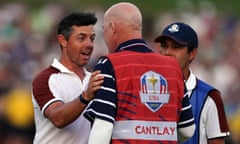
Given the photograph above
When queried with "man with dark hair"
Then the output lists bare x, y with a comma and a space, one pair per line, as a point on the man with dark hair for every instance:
180, 40
62, 91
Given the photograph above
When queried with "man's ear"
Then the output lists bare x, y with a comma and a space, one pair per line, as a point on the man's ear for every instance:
193, 54
112, 26
62, 40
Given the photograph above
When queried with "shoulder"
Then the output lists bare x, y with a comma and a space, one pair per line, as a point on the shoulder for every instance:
205, 89
104, 60
215, 95
44, 75
212, 93
103, 64
203, 83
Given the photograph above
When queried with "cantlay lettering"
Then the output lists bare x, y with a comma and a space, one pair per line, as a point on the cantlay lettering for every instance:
154, 130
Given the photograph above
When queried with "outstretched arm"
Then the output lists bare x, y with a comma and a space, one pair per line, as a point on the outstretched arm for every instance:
61, 114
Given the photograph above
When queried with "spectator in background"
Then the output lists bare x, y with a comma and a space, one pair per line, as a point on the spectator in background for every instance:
179, 40
61, 92
141, 89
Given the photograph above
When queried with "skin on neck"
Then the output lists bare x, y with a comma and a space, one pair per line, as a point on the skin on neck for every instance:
186, 68
186, 73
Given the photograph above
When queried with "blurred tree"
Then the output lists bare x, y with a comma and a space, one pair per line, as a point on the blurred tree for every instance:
151, 7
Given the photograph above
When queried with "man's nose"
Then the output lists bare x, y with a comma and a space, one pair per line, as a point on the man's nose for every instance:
89, 43
166, 51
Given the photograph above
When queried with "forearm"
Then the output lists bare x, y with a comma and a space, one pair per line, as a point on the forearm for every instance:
62, 114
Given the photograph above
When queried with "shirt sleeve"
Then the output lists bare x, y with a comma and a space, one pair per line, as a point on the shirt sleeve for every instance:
101, 132
214, 118
186, 116
103, 106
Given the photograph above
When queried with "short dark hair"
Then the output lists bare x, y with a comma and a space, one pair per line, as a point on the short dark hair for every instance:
75, 19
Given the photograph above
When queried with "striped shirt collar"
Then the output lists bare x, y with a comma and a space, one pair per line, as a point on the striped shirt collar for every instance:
138, 45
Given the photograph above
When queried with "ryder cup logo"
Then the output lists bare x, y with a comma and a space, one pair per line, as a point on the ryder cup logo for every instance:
173, 28
154, 90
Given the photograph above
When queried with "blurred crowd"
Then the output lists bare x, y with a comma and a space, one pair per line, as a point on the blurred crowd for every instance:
28, 44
